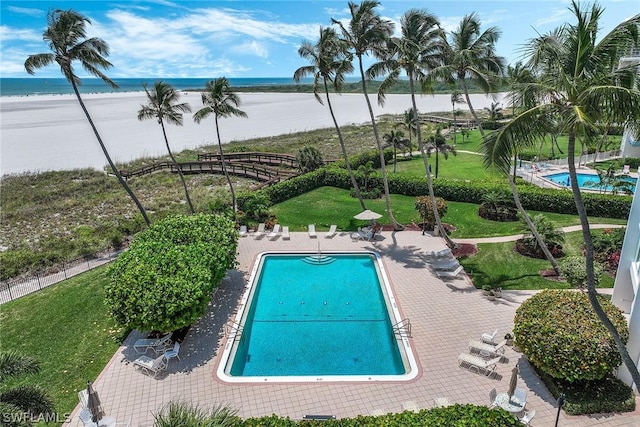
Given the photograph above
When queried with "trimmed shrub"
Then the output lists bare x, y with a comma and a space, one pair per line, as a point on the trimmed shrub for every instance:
309, 159
425, 209
560, 334
574, 270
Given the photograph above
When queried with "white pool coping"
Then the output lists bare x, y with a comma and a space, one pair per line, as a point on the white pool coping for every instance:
404, 344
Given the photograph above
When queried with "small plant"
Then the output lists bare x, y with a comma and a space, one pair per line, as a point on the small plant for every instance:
497, 292
486, 289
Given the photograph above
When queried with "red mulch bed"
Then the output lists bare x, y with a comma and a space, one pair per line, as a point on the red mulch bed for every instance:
464, 249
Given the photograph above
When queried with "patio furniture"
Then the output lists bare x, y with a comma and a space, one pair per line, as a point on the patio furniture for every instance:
626, 169
274, 233
410, 406
243, 231
446, 252
445, 264
520, 396
85, 417
312, 231
156, 344
450, 274
259, 233
174, 352
441, 402
489, 337
331, 232
511, 406
528, 416
476, 364
486, 349
285, 233
492, 398
151, 366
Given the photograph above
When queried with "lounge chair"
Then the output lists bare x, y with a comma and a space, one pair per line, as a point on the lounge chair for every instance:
259, 233
450, 274
626, 169
477, 364
275, 233
441, 402
489, 337
486, 349
174, 352
312, 231
520, 396
446, 252
410, 406
285, 233
156, 344
331, 232
151, 366
445, 264
528, 416
243, 231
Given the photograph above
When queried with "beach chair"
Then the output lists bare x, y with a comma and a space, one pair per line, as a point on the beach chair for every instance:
486, 349
259, 233
285, 233
450, 274
173, 353
243, 231
331, 232
445, 264
477, 364
489, 337
275, 233
312, 231
156, 344
151, 366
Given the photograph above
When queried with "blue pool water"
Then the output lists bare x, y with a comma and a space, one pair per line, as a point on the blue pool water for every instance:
317, 319
563, 179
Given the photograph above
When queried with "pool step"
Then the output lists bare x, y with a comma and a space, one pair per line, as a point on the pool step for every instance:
319, 259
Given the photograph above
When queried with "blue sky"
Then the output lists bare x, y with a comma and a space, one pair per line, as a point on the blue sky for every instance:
162, 38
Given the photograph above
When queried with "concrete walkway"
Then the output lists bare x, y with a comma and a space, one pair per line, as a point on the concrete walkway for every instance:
515, 237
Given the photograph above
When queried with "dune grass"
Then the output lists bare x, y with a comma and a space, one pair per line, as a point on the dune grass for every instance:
67, 329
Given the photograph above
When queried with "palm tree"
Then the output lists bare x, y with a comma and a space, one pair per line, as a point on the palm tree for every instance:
416, 52
21, 400
456, 98
583, 90
470, 54
66, 36
409, 124
396, 140
438, 143
163, 105
367, 33
186, 414
329, 64
219, 100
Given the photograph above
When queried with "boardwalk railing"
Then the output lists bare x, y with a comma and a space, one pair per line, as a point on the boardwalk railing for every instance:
273, 159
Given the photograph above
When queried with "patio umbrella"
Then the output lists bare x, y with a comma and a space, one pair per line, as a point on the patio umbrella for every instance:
93, 404
513, 382
368, 215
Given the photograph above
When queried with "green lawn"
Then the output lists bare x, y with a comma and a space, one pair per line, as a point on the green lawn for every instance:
462, 166
67, 329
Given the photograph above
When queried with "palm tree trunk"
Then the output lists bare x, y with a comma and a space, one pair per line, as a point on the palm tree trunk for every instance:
224, 169
532, 227
344, 149
437, 159
178, 167
385, 182
455, 122
106, 154
432, 195
589, 252
473, 112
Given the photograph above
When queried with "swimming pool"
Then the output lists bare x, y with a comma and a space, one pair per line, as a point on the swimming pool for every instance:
315, 318
563, 180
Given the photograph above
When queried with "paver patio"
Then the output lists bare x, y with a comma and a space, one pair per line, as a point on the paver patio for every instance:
444, 317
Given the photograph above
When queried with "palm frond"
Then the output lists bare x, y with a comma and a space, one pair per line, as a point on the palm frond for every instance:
29, 398
13, 364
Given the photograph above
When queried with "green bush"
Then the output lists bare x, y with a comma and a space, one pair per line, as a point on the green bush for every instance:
425, 209
574, 270
561, 335
164, 281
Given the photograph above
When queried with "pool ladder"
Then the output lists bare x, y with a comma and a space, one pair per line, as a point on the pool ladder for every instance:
402, 328
234, 328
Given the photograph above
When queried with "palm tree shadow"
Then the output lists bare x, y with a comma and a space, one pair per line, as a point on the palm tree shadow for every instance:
408, 256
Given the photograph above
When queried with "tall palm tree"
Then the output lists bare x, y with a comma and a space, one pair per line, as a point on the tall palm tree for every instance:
367, 33
438, 143
396, 140
329, 63
409, 124
219, 100
470, 55
66, 36
456, 98
164, 106
583, 90
416, 52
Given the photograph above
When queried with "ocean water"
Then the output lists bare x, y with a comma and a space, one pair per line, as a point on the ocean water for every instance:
47, 86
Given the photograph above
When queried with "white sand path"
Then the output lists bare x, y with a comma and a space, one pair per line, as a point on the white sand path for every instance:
50, 132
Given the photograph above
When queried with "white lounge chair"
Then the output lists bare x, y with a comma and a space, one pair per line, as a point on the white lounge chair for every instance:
151, 366
174, 352
445, 264
312, 231
243, 231
520, 396
528, 416
489, 337
446, 252
259, 233
275, 233
285, 233
477, 364
450, 274
331, 232
486, 349
155, 344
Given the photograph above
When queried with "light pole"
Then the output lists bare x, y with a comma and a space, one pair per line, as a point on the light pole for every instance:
560, 405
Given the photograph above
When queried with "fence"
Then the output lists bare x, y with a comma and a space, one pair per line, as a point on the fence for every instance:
589, 158
15, 288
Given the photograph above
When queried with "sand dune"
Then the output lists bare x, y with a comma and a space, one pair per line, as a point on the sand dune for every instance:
50, 132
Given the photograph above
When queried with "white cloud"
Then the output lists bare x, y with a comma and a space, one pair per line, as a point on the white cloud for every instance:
9, 33
556, 16
26, 11
252, 48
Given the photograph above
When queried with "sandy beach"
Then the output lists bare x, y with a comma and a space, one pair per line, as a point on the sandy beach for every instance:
50, 132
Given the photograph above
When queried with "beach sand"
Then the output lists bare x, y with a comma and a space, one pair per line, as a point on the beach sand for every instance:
50, 132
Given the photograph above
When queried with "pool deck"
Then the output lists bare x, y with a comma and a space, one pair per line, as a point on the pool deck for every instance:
444, 317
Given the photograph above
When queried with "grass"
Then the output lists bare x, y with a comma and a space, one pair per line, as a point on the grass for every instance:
67, 329
461, 166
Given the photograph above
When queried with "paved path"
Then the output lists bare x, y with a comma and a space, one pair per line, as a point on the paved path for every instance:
515, 237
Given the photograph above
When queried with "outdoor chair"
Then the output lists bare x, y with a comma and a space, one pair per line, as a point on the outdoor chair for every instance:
489, 337
441, 402
151, 366
243, 231
450, 274
528, 416
486, 349
410, 406
520, 396
626, 169
440, 254
259, 233
156, 344
445, 264
477, 364
285, 233
275, 232
331, 232
492, 398
312, 231
173, 352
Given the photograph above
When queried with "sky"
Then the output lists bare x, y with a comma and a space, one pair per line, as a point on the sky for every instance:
182, 39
